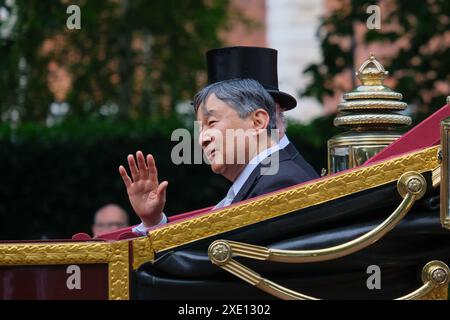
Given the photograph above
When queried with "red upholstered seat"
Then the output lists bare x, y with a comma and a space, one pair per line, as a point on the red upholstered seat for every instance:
127, 235
115, 235
81, 236
425, 134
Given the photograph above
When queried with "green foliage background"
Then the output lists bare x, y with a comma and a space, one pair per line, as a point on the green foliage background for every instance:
143, 56
55, 178
419, 28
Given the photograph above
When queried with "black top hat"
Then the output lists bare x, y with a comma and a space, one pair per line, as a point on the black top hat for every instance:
248, 63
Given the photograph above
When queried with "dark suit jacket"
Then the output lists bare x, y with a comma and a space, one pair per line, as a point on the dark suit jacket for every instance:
299, 160
289, 173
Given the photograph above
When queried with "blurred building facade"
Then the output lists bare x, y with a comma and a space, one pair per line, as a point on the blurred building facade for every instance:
290, 26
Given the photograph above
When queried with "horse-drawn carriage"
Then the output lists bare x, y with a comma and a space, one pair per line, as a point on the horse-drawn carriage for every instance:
377, 226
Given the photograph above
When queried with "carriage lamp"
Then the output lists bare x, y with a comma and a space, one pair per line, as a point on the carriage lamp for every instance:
371, 111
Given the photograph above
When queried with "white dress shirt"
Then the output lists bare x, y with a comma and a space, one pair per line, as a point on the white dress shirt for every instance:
244, 175
142, 230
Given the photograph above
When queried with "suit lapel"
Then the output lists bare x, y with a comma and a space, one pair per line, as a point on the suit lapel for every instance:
292, 150
248, 185
254, 177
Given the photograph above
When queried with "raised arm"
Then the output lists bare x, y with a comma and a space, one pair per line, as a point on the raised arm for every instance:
147, 196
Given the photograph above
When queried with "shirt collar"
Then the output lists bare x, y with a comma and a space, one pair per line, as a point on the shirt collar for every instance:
245, 174
283, 142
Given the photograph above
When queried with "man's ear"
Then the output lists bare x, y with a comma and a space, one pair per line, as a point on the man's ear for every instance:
260, 120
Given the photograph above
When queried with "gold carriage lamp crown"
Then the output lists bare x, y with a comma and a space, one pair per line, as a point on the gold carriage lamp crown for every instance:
371, 111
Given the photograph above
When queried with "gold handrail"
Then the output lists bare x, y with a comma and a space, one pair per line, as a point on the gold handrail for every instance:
435, 278
411, 186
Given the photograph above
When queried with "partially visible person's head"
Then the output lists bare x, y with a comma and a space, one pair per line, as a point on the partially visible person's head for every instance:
280, 120
109, 218
234, 106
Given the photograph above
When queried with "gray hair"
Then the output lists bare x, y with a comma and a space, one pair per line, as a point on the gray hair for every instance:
243, 95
